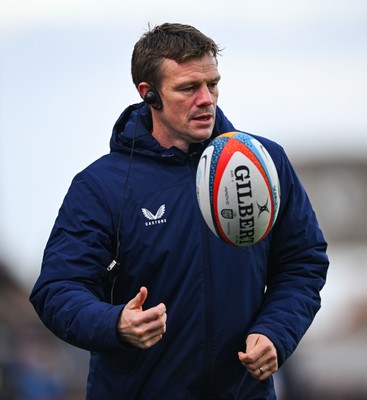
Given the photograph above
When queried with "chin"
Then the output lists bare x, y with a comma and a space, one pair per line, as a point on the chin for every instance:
207, 134
201, 137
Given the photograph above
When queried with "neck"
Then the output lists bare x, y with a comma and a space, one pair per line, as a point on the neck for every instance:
167, 142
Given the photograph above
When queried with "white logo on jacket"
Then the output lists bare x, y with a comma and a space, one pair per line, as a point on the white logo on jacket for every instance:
155, 219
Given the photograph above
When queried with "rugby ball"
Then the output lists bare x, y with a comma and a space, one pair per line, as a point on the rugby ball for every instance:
238, 189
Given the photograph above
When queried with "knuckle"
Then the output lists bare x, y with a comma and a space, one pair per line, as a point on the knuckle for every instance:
134, 321
269, 348
157, 312
139, 333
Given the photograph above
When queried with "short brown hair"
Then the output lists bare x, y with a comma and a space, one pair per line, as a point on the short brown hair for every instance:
174, 41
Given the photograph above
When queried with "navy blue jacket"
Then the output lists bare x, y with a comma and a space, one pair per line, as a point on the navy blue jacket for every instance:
215, 294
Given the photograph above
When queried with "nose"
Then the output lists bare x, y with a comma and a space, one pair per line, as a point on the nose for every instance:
204, 96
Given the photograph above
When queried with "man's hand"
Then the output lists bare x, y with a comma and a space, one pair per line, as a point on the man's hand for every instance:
142, 328
260, 359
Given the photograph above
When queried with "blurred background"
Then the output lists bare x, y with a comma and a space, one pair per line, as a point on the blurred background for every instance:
294, 71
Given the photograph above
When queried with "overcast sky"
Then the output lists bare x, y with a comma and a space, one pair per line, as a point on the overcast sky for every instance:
294, 71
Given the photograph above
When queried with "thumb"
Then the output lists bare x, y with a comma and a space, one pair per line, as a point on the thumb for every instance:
138, 301
251, 342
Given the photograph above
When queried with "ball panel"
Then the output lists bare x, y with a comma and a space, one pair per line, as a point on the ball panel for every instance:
272, 174
240, 177
241, 219
268, 165
204, 177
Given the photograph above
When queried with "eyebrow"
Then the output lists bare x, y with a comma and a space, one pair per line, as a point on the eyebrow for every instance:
193, 82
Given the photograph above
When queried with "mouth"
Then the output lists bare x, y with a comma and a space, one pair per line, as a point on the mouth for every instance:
203, 117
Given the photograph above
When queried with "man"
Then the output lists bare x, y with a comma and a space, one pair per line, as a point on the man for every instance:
186, 316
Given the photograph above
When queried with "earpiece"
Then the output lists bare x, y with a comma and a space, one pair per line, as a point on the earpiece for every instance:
153, 98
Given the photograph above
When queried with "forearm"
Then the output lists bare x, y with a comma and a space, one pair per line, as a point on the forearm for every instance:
77, 316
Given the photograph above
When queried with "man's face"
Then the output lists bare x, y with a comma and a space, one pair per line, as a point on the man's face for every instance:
189, 94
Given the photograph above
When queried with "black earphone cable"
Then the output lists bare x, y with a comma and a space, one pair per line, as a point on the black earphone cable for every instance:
115, 263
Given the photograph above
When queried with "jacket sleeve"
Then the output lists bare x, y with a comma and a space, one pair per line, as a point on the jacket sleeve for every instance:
68, 295
297, 266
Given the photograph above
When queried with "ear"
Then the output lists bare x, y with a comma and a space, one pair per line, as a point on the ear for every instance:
143, 88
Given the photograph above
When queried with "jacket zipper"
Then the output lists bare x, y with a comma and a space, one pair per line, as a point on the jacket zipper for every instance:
207, 364
208, 315
113, 269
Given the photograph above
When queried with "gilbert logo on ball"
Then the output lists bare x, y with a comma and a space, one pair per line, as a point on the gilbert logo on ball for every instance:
238, 189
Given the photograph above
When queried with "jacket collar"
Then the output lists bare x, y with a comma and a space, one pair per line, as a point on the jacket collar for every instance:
132, 131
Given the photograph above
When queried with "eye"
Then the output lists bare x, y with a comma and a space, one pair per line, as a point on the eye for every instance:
213, 85
187, 89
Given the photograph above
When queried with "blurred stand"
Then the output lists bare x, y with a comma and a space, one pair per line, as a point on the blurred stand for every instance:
330, 362
34, 364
